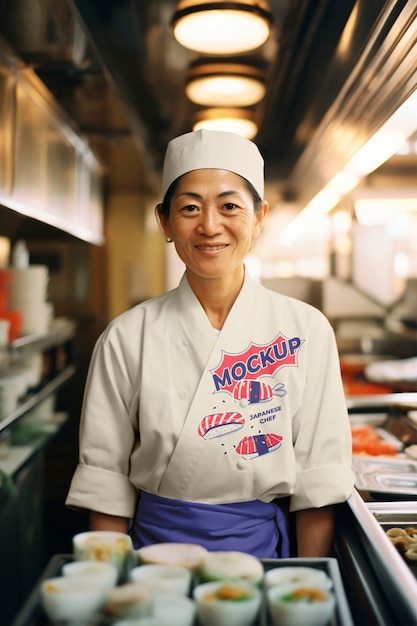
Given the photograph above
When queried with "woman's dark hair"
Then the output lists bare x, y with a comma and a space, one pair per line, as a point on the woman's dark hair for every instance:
166, 203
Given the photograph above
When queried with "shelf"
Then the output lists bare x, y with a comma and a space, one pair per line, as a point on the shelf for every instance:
35, 398
60, 331
19, 455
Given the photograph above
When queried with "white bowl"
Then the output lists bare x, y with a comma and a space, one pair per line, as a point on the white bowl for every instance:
286, 575
70, 599
231, 565
129, 601
104, 546
101, 574
215, 606
189, 555
163, 578
285, 611
173, 609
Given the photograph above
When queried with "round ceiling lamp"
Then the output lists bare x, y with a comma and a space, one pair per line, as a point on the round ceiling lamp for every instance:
225, 84
239, 121
222, 27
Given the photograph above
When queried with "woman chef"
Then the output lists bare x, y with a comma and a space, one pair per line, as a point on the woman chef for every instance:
212, 411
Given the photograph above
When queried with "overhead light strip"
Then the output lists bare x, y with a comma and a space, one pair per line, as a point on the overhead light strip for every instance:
386, 142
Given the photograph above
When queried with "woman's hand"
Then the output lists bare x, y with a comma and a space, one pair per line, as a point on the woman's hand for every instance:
101, 521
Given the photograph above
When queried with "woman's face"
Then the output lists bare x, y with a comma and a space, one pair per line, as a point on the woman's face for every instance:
212, 222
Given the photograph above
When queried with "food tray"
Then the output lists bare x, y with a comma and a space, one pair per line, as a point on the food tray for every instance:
386, 476
32, 613
403, 516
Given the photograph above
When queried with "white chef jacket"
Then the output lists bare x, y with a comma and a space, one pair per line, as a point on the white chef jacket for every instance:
174, 408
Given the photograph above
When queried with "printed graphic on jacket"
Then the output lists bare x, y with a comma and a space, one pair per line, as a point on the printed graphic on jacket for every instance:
255, 362
220, 424
249, 447
240, 375
255, 391
257, 445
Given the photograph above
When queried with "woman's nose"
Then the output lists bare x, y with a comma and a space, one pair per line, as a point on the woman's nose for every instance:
209, 221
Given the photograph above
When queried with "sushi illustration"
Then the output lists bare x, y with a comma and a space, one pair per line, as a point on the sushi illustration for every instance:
256, 445
220, 424
255, 391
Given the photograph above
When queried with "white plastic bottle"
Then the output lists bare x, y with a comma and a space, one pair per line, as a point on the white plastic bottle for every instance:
20, 255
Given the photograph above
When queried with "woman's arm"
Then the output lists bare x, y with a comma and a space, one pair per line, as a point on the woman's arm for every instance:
101, 521
315, 532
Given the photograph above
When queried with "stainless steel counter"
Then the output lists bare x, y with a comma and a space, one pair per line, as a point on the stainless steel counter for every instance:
378, 401
380, 586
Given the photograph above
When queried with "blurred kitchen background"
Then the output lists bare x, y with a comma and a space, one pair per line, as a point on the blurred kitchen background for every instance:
90, 93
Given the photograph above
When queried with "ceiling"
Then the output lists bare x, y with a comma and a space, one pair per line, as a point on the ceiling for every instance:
118, 72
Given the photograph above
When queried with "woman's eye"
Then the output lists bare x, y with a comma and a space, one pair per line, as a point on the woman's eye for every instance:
190, 208
230, 206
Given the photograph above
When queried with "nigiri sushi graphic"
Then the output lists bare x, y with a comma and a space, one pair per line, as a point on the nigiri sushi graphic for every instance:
256, 445
254, 391
220, 424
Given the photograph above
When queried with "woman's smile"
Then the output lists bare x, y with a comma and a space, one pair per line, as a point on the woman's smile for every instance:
212, 247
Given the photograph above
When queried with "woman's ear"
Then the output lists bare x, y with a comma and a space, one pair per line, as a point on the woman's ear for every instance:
259, 219
163, 221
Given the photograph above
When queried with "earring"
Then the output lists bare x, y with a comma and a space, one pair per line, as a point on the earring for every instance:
168, 240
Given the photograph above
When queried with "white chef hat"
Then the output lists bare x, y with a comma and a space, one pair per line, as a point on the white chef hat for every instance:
213, 149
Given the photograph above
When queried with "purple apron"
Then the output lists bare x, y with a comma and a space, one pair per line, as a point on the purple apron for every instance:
255, 527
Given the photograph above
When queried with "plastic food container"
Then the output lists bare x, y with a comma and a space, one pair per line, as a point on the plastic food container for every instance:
104, 546
299, 604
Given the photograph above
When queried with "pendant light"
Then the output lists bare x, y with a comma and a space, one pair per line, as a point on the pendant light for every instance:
239, 121
222, 27
224, 84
